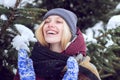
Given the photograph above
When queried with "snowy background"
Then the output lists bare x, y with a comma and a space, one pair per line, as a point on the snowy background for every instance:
26, 35
24, 39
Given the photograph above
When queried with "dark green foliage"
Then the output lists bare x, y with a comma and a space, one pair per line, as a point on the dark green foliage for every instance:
107, 59
88, 11
8, 55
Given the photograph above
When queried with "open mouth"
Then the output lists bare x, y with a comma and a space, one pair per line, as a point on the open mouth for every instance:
52, 32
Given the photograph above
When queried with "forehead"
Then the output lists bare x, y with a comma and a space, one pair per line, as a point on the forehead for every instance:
55, 16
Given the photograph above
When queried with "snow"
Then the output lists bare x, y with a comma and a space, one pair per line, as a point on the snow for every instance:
36, 26
24, 2
1, 2
118, 6
109, 41
3, 17
93, 32
22, 41
11, 3
8, 3
26, 35
14, 71
113, 22
5, 53
89, 36
40, 1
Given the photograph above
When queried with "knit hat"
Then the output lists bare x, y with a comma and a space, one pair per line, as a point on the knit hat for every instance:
68, 16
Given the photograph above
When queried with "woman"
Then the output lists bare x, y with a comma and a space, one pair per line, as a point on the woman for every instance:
58, 39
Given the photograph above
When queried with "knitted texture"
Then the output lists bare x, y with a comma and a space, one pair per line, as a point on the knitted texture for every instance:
25, 66
72, 69
77, 46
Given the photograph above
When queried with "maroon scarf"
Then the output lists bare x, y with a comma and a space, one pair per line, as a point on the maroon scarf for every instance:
77, 46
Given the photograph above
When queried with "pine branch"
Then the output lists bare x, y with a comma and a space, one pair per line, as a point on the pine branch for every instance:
106, 75
10, 19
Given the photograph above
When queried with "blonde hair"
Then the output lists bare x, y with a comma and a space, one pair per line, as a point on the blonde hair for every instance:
66, 37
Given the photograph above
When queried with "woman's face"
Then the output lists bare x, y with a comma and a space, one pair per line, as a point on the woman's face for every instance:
53, 29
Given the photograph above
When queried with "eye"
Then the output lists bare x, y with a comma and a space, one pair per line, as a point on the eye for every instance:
47, 21
59, 21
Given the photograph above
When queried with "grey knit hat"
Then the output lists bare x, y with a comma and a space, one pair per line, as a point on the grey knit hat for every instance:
68, 16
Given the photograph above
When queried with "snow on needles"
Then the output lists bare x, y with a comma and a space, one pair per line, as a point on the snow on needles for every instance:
93, 32
22, 40
113, 22
8, 3
3, 17
11, 3
118, 7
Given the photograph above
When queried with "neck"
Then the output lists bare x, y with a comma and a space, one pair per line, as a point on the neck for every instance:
56, 48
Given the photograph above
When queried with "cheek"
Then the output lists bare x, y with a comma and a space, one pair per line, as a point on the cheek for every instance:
61, 31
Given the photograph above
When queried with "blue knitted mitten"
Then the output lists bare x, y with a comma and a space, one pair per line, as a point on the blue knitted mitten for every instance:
25, 66
72, 69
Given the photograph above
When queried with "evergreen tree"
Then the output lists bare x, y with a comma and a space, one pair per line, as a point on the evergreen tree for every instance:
89, 12
28, 16
107, 59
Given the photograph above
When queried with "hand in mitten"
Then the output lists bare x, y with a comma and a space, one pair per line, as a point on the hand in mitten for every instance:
72, 69
25, 66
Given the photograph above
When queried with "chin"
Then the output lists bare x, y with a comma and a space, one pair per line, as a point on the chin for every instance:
52, 41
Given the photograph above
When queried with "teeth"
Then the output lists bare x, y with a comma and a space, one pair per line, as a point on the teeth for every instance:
51, 32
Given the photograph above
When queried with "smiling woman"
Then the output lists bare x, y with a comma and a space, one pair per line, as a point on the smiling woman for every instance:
60, 51
55, 32
53, 29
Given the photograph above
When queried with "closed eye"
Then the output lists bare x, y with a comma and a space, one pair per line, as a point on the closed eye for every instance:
59, 21
47, 21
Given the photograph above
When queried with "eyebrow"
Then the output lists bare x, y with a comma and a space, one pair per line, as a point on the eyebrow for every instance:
56, 18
